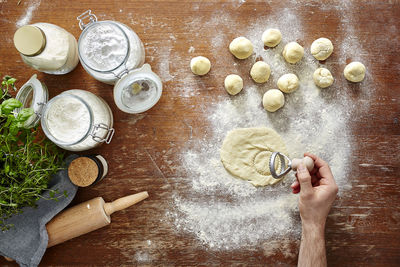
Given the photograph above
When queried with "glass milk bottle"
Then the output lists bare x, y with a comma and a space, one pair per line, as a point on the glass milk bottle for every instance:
47, 48
75, 120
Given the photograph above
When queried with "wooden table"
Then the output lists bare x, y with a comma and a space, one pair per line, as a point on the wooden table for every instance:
138, 155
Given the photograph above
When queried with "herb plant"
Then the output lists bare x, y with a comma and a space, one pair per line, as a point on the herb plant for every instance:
27, 158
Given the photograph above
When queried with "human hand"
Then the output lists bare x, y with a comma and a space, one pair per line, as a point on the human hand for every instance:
317, 189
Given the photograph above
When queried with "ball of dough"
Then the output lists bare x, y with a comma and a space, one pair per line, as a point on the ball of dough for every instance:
273, 100
293, 52
200, 65
354, 72
233, 84
323, 77
241, 47
271, 37
260, 72
321, 48
288, 83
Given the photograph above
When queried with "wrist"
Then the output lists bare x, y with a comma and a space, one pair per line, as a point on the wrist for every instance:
315, 228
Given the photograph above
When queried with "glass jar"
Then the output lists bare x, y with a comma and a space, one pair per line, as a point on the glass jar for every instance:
108, 49
112, 53
75, 120
47, 48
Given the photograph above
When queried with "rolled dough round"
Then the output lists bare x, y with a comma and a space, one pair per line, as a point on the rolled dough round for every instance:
245, 154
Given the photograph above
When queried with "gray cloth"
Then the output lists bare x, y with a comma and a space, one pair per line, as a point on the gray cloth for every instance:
27, 241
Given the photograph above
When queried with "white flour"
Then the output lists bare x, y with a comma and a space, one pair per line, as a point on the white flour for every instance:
104, 47
223, 212
26, 18
68, 119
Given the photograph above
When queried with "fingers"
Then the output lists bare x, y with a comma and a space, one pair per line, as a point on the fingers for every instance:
304, 178
318, 162
323, 169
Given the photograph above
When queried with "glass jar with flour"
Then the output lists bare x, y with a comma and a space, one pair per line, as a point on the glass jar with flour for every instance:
112, 53
75, 120
108, 49
47, 48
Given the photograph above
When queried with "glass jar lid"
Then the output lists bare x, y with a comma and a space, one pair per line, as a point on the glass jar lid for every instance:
33, 94
138, 91
67, 119
103, 46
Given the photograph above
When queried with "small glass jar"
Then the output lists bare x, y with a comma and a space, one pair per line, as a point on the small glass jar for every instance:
47, 48
75, 120
108, 49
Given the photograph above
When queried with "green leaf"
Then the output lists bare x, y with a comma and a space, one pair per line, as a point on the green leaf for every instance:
24, 115
9, 105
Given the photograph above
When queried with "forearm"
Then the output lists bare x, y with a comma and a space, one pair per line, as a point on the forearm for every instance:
312, 247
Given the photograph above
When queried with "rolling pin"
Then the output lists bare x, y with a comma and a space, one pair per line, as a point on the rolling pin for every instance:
87, 217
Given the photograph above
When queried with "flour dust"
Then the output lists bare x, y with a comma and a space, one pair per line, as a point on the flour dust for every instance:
26, 18
226, 213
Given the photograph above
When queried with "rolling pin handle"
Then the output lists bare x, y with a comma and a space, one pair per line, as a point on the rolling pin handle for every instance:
124, 202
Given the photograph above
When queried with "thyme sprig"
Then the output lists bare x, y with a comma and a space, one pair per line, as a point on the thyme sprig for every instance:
27, 158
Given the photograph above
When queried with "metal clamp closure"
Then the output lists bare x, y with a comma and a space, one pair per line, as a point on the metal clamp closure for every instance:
121, 73
39, 114
109, 136
85, 15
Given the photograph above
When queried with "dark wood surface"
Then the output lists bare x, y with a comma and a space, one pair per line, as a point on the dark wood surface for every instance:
137, 155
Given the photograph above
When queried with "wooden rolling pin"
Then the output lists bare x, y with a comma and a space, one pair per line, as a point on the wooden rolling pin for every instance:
87, 217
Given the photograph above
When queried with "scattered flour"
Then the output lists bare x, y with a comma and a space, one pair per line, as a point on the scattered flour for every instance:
164, 62
26, 18
226, 213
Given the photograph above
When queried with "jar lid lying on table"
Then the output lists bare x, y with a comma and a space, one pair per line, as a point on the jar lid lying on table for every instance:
33, 94
138, 91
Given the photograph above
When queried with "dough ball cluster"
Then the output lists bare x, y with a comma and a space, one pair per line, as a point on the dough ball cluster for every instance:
200, 65
293, 52
241, 47
273, 100
271, 37
260, 72
288, 83
354, 72
321, 48
233, 84
322, 77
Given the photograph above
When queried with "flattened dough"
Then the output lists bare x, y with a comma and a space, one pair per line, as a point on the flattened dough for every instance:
245, 154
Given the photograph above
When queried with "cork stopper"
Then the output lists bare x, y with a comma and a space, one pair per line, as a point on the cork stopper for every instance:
83, 171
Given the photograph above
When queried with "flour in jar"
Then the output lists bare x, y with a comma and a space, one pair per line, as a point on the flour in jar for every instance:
68, 119
106, 47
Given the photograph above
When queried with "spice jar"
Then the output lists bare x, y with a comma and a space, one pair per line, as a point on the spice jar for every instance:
47, 48
87, 170
75, 120
112, 53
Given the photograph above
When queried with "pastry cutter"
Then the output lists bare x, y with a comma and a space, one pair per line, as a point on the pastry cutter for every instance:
280, 164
